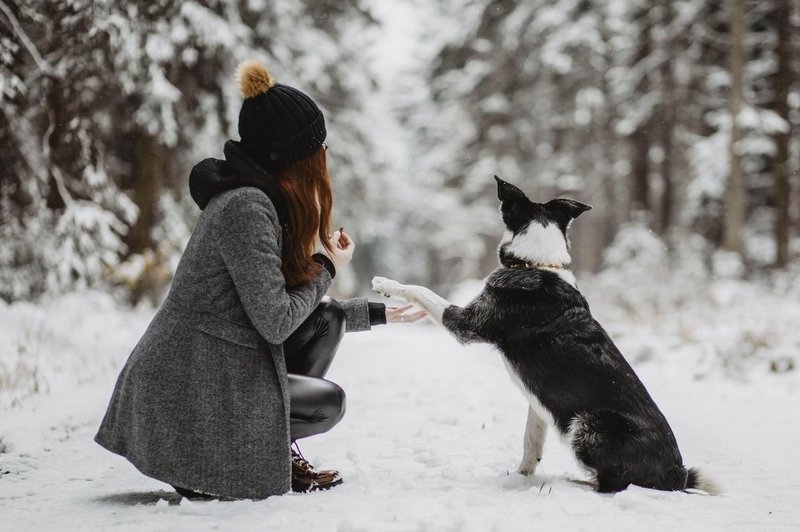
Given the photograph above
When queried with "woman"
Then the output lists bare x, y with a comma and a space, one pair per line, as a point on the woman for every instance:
231, 369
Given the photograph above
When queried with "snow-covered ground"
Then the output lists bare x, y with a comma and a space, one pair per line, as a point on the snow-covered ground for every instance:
430, 441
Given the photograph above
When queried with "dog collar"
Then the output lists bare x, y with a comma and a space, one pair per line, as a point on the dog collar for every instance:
519, 265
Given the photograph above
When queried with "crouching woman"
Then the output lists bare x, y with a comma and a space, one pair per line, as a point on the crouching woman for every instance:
230, 371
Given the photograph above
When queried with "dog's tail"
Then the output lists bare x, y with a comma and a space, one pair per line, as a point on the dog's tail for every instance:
696, 479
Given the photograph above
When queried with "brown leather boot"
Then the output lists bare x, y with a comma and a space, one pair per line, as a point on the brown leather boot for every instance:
305, 477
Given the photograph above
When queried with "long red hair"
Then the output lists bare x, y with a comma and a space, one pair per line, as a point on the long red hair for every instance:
307, 188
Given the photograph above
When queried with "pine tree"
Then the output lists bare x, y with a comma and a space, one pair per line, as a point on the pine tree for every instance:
107, 105
783, 81
627, 105
733, 239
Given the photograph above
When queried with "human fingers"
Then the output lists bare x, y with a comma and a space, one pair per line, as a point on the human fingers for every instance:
405, 317
336, 240
411, 318
396, 311
395, 314
346, 241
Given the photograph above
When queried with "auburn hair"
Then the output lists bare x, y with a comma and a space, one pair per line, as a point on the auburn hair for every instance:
307, 188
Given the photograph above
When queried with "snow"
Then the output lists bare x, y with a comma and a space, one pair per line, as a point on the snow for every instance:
432, 435
434, 430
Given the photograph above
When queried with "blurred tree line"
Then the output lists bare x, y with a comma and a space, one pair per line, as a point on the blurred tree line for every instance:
628, 105
625, 104
106, 105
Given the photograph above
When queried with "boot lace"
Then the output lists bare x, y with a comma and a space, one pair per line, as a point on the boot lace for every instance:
299, 459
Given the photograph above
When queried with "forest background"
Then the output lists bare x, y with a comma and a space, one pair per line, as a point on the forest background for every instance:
628, 105
676, 119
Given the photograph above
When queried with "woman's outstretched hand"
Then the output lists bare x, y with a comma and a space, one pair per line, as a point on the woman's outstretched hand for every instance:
401, 315
343, 247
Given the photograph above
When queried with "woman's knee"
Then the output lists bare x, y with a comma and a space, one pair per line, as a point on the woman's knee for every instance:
317, 405
335, 404
332, 312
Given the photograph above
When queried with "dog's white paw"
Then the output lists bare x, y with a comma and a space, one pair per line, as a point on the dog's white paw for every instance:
527, 467
388, 287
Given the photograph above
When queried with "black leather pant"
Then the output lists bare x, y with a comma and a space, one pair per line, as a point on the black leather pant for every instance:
316, 404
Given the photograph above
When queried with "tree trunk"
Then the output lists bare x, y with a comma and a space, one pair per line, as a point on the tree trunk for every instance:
59, 149
149, 166
641, 137
608, 141
733, 217
640, 176
781, 170
668, 110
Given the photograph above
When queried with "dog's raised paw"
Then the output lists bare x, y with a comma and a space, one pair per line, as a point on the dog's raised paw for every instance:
387, 287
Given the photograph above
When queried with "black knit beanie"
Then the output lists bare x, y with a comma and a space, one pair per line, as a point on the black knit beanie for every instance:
278, 124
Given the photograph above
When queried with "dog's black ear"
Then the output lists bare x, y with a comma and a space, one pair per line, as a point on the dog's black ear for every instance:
568, 207
508, 192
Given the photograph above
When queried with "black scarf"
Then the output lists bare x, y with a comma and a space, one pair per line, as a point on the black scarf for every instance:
211, 176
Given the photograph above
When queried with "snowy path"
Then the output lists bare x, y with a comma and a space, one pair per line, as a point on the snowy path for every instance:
431, 433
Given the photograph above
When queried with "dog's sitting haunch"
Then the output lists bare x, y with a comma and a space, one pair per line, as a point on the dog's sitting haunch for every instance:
572, 374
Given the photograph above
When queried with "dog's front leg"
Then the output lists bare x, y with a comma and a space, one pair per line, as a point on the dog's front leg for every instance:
431, 302
532, 445
462, 322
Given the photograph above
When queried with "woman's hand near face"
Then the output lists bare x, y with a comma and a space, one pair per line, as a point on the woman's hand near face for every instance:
401, 314
343, 247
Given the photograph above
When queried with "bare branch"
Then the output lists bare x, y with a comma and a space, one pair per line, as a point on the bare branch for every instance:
43, 65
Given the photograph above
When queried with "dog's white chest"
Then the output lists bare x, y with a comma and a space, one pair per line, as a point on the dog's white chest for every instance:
533, 401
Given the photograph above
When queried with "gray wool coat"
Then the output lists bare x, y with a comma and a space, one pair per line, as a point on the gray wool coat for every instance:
202, 402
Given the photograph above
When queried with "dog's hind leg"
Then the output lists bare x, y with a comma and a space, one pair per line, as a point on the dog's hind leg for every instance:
533, 443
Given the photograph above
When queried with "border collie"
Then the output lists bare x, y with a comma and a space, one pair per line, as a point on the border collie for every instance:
570, 371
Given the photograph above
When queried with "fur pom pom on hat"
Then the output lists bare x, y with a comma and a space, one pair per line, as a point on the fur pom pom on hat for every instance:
278, 124
253, 78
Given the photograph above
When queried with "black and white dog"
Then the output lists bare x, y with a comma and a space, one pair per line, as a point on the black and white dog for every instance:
570, 371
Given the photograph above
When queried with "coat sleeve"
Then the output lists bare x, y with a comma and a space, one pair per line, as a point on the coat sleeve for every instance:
248, 241
356, 312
